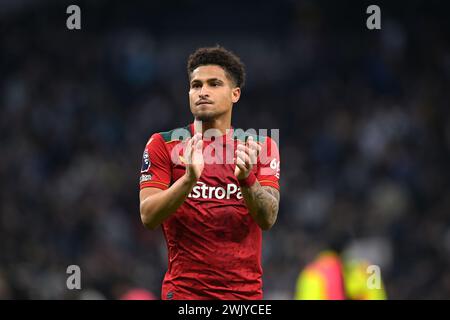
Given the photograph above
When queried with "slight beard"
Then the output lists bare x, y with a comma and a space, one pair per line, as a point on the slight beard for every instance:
206, 117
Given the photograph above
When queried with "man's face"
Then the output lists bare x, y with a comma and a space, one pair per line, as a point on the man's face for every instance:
211, 93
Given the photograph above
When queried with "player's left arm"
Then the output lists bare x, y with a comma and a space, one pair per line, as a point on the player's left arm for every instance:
259, 190
262, 202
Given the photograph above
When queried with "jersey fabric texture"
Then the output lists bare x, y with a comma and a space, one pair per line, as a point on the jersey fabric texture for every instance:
214, 245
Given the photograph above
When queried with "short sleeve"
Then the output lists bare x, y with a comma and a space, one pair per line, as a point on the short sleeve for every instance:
156, 165
268, 173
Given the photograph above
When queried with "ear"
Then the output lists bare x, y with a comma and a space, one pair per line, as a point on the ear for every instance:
235, 94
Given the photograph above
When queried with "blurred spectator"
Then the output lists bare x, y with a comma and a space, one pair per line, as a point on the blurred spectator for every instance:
138, 294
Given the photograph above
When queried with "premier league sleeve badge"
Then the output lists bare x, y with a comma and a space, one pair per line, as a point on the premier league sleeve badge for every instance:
145, 162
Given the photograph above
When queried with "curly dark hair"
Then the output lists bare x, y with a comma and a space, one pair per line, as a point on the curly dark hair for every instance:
233, 66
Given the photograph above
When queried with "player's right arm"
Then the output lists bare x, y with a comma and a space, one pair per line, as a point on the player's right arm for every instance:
157, 200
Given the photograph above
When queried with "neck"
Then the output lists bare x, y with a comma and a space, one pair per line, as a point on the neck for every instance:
220, 124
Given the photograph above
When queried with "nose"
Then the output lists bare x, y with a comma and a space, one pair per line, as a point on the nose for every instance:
203, 92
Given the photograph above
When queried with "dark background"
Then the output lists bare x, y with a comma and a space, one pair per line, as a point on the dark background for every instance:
364, 136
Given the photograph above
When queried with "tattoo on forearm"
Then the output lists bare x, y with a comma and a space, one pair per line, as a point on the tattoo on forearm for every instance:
268, 201
265, 202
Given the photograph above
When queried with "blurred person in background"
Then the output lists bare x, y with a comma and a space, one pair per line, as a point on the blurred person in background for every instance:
335, 275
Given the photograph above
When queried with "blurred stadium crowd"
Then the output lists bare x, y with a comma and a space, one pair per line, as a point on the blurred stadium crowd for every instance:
364, 137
